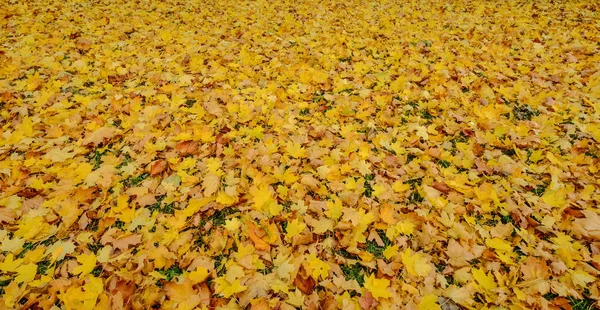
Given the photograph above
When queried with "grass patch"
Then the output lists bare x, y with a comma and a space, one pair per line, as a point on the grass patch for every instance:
355, 272
415, 197
96, 158
524, 112
582, 304
444, 163
368, 189
220, 216
373, 248
135, 181
43, 266
171, 272
539, 190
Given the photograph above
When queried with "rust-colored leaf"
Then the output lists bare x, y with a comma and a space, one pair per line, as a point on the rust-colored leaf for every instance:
158, 167
187, 147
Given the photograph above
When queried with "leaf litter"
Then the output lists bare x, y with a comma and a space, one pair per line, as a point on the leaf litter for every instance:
299, 154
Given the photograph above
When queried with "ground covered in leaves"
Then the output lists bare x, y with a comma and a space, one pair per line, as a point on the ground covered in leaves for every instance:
299, 154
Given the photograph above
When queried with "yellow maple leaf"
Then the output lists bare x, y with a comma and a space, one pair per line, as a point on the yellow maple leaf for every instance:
322, 225
26, 273
568, 249
350, 183
295, 298
378, 190
334, 209
581, 278
536, 156
104, 254
285, 175
378, 287
429, 302
300, 207
76, 298
294, 228
273, 207
555, 197
213, 165
284, 266
60, 249
11, 245
233, 224
487, 92
400, 187
403, 227
59, 155
279, 286
390, 251
499, 244
198, 275
260, 196
320, 269
181, 295
296, 150
194, 205
225, 199
228, 289
88, 263
416, 264
484, 280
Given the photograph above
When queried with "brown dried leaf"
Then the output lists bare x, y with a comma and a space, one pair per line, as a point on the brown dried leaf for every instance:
187, 147
158, 166
442, 187
306, 284
99, 136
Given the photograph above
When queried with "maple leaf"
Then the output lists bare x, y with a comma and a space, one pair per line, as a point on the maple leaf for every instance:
59, 155
378, 287
320, 269
334, 209
255, 235
99, 135
390, 251
183, 295
429, 302
499, 244
124, 242
228, 289
416, 264
294, 228
304, 283
581, 278
284, 267
232, 225
26, 273
486, 281
60, 249
296, 150
157, 167
198, 275
211, 184
295, 298
88, 263
83, 297
366, 301
260, 196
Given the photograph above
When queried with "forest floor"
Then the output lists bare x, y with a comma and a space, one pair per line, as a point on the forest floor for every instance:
299, 154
